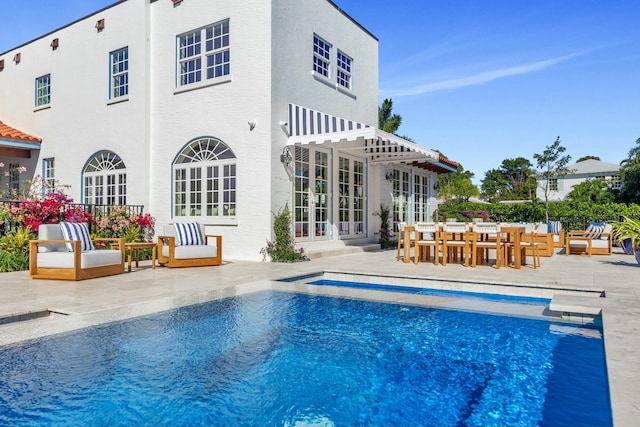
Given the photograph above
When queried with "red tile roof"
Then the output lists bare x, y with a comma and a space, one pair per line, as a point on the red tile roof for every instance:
8, 133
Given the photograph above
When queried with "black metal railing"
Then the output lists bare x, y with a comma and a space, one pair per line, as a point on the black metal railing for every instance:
97, 211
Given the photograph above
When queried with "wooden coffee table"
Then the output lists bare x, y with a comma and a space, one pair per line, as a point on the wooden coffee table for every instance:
130, 248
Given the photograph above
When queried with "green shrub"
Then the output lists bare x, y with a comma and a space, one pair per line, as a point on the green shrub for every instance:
17, 240
13, 261
282, 249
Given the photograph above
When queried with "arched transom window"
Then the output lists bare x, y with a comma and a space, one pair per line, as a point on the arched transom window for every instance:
204, 180
105, 180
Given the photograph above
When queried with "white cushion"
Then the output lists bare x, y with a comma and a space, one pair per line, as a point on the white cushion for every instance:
192, 251
77, 231
188, 233
51, 232
87, 259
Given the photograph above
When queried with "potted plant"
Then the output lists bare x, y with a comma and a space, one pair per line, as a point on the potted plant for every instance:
628, 230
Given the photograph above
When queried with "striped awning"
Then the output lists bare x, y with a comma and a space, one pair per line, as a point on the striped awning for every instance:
308, 127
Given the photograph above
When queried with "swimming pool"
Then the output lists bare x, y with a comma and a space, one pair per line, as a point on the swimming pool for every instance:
280, 358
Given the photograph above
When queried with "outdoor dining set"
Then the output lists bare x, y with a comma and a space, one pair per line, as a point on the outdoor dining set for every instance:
472, 244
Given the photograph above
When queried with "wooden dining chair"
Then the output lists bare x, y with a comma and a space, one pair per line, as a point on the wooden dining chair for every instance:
400, 228
427, 237
487, 238
457, 236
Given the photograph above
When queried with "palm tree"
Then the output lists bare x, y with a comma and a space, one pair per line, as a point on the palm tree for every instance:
387, 121
633, 157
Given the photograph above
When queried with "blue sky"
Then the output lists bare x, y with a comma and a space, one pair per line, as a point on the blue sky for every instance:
481, 81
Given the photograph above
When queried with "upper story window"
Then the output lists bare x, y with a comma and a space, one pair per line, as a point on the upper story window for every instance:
344, 70
204, 180
43, 90
119, 73
321, 56
203, 54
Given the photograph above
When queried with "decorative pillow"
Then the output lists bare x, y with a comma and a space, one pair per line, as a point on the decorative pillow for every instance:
595, 229
77, 231
188, 233
554, 227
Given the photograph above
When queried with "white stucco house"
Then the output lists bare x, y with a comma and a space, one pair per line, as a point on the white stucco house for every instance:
217, 111
580, 172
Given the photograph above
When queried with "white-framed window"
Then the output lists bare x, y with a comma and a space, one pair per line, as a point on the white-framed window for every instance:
105, 180
119, 70
49, 173
553, 184
321, 56
43, 90
344, 65
14, 178
420, 198
616, 182
401, 194
204, 180
198, 60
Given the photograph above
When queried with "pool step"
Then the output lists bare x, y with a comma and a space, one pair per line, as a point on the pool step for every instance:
583, 309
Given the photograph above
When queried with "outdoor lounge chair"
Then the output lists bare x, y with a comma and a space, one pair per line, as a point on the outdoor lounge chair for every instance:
187, 245
595, 240
72, 257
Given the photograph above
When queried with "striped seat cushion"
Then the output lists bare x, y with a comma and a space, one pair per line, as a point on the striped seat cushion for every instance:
595, 229
188, 233
554, 227
77, 231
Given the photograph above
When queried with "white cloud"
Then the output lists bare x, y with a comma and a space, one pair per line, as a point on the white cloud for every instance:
477, 79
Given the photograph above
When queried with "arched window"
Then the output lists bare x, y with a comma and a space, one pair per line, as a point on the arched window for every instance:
105, 180
204, 180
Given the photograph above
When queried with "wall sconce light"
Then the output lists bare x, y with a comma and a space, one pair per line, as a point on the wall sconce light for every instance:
54, 44
389, 175
286, 158
436, 186
176, 2
1, 64
252, 124
16, 58
100, 25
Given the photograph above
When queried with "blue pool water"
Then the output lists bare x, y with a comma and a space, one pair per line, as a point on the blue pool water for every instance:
434, 292
276, 358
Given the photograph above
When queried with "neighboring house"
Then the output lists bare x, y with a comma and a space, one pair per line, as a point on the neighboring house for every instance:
217, 111
580, 172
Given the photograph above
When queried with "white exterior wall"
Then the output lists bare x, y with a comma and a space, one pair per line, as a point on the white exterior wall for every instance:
294, 25
271, 62
79, 120
221, 111
565, 186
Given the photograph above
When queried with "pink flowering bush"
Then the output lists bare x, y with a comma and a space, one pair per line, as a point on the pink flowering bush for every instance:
118, 222
52, 209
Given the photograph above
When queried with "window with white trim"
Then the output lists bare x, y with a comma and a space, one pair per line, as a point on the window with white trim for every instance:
553, 184
420, 198
14, 178
119, 71
321, 56
213, 54
105, 180
49, 173
204, 180
43, 90
401, 194
344, 70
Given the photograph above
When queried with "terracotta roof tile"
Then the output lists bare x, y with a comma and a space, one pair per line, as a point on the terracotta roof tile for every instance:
8, 133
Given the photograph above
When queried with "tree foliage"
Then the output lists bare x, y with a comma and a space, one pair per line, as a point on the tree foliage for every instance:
582, 159
387, 121
552, 165
630, 176
514, 180
457, 185
591, 190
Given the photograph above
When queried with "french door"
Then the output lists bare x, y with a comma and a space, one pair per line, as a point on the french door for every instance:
311, 194
323, 199
351, 194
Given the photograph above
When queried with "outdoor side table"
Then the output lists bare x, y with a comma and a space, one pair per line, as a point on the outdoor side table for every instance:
130, 248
